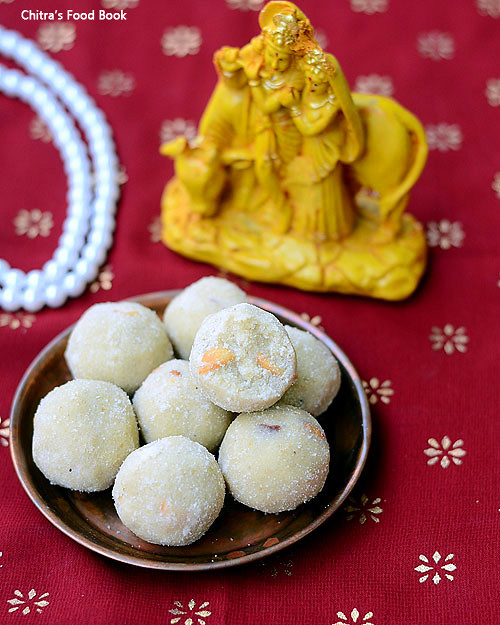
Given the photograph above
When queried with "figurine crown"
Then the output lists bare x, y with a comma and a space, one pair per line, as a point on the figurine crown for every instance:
285, 29
318, 61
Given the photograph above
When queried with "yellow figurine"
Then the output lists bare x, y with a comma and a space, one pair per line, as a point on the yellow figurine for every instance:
292, 178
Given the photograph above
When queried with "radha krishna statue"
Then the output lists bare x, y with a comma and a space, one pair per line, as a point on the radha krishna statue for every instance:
292, 178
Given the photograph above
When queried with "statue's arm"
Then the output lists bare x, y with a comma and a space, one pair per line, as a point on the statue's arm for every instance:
355, 139
310, 128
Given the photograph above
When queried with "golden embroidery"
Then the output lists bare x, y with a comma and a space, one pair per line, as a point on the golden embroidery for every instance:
363, 509
173, 128
119, 4
56, 37
115, 83
245, 5
449, 339
155, 230
445, 234
444, 137
28, 602
181, 41
495, 185
355, 614
40, 130
436, 45
427, 567
14, 321
314, 321
4, 432
374, 83
33, 223
180, 612
492, 91
369, 6
104, 280
376, 390
445, 453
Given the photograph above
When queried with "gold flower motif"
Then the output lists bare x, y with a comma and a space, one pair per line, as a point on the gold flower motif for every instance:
427, 567
40, 130
14, 321
28, 602
245, 5
373, 83
115, 83
489, 7
492, 91
155, 229
436, 45
355, 614
56, 37
445, 234
119, 4
449, 339
33, 223
444, 137
442, 452
376, 390
4, 432
179, 613
122, 176
495, 185
173, 128
181, 41
315, 320
104, 280
363, 509
369, 6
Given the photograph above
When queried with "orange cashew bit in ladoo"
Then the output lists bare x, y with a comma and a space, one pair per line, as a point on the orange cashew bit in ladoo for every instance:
266, 364
315, 430
215, 358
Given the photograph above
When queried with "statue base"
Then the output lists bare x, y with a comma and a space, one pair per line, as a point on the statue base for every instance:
240, 242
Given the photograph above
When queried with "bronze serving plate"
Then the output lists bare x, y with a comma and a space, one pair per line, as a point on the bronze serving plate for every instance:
240, 534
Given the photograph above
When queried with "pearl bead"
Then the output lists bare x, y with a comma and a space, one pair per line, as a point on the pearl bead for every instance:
14, 278
76, 225
87, 269
92, 191
34, 279
9, 299
33, 300
95, 254
53, 271
55, 295
65, 257
4, 267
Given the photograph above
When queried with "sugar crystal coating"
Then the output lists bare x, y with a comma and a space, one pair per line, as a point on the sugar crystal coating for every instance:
170, 491
242, 358
185, 313
119, 342
169, 403
318, 374
83, 431
275, 459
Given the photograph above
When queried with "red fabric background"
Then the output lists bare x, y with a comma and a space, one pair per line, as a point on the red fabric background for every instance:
346, 564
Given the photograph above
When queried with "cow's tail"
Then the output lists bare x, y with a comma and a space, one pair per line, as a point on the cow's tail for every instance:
390, 201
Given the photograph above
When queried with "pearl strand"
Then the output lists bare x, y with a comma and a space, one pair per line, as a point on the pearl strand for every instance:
88, 228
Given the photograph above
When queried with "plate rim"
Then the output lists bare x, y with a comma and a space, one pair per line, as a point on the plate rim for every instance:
18, 457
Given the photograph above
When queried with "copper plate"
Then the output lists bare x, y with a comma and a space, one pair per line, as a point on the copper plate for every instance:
239, 534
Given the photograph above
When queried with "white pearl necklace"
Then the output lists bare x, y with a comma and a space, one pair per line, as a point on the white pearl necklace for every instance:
92, 183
